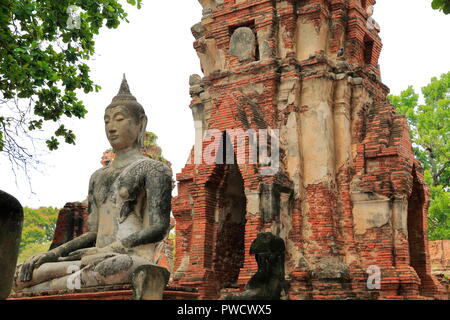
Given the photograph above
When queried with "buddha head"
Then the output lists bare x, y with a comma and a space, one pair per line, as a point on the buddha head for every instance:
125, 120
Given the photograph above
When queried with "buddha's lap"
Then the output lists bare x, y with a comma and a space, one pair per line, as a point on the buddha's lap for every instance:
115, 269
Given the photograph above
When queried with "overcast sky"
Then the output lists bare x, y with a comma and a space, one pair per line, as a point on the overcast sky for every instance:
156, 53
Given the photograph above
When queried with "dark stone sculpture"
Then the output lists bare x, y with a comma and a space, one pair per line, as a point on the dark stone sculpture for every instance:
11, 221
149, 282
268, 282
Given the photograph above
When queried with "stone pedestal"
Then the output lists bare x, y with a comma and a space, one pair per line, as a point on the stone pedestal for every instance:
148, 282
117, 292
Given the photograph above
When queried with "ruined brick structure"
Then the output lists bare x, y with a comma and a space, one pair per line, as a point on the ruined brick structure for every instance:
349, 193
440, 256
440, 262
71, 223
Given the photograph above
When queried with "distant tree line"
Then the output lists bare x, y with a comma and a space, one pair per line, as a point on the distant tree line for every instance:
38, 230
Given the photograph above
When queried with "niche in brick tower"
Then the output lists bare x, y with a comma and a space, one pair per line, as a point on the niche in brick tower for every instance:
416, 241
229, 218
244, 42
368, 50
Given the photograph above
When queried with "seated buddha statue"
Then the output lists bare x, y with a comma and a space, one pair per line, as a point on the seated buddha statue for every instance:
129, 203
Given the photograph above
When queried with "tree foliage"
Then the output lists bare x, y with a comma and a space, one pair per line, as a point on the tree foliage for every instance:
32, 249
152, 149
38, 226
430, 132
442, 5
43, 58
439, 214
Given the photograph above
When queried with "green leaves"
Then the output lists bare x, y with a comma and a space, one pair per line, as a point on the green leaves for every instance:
1, 141
429, 125
52, 144
42, 58
151, 148
442, 5
430, 133
439, 214
134, 2
68, 135
39, 225
35, 124
32, 249
150, 139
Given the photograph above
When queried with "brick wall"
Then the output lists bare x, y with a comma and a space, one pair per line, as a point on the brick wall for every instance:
348, 193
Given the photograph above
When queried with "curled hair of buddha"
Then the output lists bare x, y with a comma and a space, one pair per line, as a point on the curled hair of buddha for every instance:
126, 99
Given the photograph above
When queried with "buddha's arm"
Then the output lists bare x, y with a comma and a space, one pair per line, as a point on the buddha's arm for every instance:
158, 187
85, 240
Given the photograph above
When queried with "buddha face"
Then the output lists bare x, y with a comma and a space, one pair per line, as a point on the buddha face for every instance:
122, 129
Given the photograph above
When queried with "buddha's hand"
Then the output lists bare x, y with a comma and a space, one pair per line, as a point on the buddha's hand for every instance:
80, 253
115, 247
26, 272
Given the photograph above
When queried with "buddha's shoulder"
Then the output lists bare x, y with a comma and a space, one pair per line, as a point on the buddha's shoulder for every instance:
149, 166
98, 173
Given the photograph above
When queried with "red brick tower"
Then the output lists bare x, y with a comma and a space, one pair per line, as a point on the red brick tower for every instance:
348, 197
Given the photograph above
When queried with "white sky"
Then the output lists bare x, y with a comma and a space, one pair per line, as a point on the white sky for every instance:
156, 53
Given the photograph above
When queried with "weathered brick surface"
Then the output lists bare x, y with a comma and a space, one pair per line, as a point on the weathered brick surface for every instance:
349, 193
440, 262
440, 255
71, 223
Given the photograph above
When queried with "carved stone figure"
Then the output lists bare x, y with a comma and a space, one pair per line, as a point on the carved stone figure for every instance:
268, 282
11, 220
129, 212
243, 44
